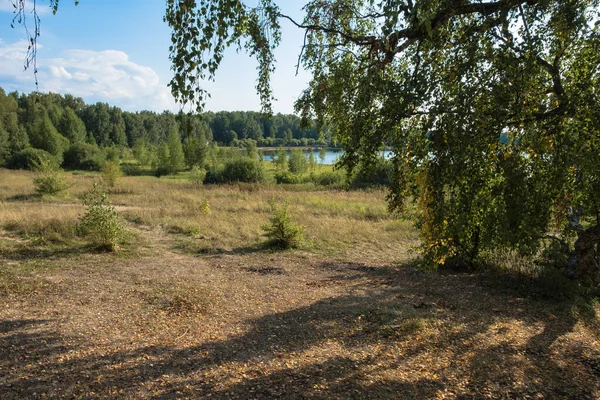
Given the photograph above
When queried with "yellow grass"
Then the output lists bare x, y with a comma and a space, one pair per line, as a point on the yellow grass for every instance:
198, 309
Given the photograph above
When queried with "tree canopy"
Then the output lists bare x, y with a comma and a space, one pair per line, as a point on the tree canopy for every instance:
490, 107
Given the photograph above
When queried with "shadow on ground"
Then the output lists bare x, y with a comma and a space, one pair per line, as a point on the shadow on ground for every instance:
399, 333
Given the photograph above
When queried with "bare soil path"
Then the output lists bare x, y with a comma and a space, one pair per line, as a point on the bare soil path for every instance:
161, 323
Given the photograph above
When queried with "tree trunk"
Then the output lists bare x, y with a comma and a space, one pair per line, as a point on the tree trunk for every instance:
585, 257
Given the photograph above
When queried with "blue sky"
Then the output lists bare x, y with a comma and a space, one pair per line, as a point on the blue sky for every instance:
116, 51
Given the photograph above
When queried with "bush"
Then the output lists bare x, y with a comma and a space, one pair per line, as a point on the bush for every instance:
101, 224
376, 175
31, 159
84, 156
237, 170
51, 181
111, 173
214, 175
282, 231
286, 177
243, 170
197, 175
330, 178
297, 162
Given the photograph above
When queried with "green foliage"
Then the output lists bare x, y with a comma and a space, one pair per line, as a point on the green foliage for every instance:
170, 158
297, 162
142, 152
249, 146
280, 160
84, 156
51, 180
223, 24
282, 231
176, 156
490, 109
330, 178
197, 175
72, 127
286, 177
236, 170
205, 207
111, 173
243, 170
322, 154
113, 153
378, 174
31, 159
163, 160
101, 224
312, 161
44, 135
196, 152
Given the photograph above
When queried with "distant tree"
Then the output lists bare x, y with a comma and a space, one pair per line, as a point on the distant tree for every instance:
97, 120
288, 135
229, 137
251, 148
322, 155
297, 162
72, 127
117, 127
195, 151
253, 130
45, 136
280, 159
163, 160
134, 128
176, 156
312, 161
13, 137
141, 152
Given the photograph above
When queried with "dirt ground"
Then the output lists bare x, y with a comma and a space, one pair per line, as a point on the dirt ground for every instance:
162, 323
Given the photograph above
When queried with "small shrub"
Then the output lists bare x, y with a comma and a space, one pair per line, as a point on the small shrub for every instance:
205, 207
111, 173
194, 231
213, 175
286, 177
101, 224
236, 170
282, 231
51, 181
132, 169
297, 162
197, 175
243, 170
330, 178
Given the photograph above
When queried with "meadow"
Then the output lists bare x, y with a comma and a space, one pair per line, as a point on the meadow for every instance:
194, 303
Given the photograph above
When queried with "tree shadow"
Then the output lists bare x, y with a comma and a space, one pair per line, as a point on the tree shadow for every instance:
27, 253
356, 345
262, 247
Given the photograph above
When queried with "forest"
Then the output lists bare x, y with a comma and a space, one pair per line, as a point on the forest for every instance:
63, 125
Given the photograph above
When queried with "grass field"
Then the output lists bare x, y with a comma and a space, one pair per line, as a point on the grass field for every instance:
194, 305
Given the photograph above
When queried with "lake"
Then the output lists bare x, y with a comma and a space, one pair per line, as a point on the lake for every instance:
331, 156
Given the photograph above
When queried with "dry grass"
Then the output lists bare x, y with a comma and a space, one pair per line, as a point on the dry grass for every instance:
347, 318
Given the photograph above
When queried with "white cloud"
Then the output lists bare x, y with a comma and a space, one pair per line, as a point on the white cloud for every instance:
9, 6
108, 76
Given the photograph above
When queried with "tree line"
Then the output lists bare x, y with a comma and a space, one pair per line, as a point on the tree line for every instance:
61, 124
